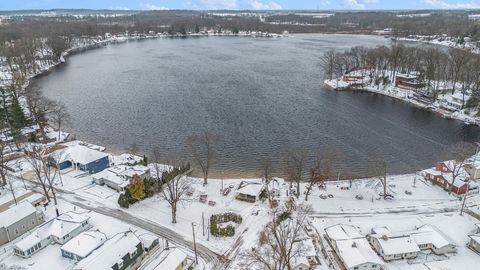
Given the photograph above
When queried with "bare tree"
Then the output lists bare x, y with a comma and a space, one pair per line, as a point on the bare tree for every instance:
320, 172
328, 61
176, 185
458, 60
294, 166
459, 153
203, 150
380, 171
266, 169
59, 116
39, 158
281, 240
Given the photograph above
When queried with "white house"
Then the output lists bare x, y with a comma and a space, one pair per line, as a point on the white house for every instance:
357, 254
123, 251
352, 248
59, 230
474, 243
394, 246
174, 259
83, 245
429, 237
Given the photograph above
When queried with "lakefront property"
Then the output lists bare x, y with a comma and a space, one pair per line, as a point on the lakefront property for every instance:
141, 136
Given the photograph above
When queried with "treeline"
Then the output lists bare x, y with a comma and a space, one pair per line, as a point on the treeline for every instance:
441, 69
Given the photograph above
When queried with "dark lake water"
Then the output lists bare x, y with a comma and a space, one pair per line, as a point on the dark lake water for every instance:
260, 96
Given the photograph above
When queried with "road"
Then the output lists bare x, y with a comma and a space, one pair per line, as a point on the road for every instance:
210, 257
216, 261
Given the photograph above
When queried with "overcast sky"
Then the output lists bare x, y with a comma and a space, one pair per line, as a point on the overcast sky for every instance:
239, 4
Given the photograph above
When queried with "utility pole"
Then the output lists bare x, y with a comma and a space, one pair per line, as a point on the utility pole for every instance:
203, 224
194, 243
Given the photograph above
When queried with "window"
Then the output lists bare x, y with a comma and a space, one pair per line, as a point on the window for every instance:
134, 253
33, 221
120, 265
16, 231
355, 268
23, 226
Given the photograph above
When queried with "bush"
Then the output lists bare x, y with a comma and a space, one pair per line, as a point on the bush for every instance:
221, 218
126, 199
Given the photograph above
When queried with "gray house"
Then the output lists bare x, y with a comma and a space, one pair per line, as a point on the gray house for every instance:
17, 220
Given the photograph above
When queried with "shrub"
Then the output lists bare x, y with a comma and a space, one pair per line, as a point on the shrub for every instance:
221, 218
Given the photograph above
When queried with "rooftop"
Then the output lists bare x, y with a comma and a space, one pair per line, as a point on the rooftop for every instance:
355, 252
78, 154
16, 213
85, 243
110, 253
342, 232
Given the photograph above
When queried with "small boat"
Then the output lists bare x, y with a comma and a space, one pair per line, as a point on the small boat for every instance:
467, 123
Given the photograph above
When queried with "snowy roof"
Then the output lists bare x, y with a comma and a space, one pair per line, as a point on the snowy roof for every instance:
147, 239
399, 244
110, 253
355, 252
251, 189
475, 237
171, 261
58, 227
16, 213
109, 176
342, 232
427, 234
137, 169
381, 230
78, 154
85, 243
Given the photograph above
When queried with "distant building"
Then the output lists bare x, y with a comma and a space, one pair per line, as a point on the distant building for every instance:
59, 230
17, 220
408, 81
124, 251
83, 245
80, 157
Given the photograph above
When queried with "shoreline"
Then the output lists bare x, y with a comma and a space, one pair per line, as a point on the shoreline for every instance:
467, 120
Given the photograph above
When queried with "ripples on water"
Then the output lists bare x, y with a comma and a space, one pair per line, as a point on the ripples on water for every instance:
259, 95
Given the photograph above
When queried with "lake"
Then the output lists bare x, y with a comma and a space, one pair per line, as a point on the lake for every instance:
260, 96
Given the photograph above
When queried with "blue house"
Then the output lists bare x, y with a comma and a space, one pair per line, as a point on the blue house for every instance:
82, 158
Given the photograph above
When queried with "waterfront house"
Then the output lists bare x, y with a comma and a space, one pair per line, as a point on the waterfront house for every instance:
453, 102
249, 192
83, 245
80, 157
58, 230
124, 251
17, 220
408, 81
442, 175
119, 176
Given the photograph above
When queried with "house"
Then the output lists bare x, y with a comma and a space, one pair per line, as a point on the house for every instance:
249, 192
124, 251
150, 242
352, 248
453, 102
119, 176
112, 180
474, 243
429, 237
83, 245
357, 254
393, 246
17, 220
175, 259
442, 175
80, 157
408, 81
58, 230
